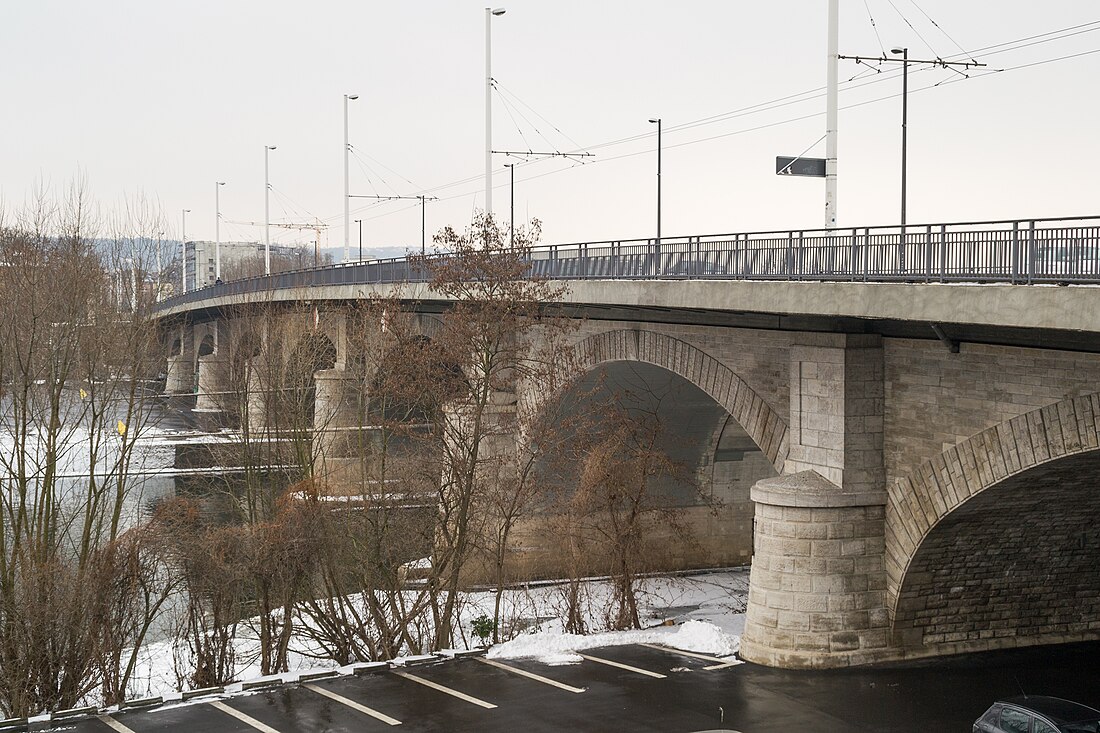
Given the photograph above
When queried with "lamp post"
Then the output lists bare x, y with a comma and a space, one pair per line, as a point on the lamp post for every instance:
489, 13
904, 52
657, 121
183, 245
360, 223
217, 231
267, 214
347, 198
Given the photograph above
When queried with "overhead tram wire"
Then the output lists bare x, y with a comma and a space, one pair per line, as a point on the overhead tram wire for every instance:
913, 28
791, 120
806, 95
379, 163
780, 123
947, 35
874, 28
504, 90
512, 117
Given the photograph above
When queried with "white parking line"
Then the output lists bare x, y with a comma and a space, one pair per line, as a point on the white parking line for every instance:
530, 675
247, 719
114, 724
627, 667
353, 705
441, 688
722, 663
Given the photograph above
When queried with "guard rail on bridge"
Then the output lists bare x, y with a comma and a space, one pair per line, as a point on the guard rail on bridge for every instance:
1023, 252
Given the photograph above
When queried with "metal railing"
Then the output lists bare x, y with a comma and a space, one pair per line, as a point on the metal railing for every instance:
1024, 252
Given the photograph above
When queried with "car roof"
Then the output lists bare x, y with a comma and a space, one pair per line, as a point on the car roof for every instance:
1058, 710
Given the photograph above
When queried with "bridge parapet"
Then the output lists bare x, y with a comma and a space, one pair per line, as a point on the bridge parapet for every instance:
1019, 252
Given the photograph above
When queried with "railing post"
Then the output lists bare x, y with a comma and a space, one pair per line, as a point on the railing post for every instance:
853, 258
1031, 252
801, 261
866, 252
928, 254
790, 256
1015, 252
902, 236
943, 253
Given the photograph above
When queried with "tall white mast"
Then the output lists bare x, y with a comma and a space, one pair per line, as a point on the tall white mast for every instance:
831, 115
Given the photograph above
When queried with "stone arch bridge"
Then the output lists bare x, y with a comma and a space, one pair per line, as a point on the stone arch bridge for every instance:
928, 454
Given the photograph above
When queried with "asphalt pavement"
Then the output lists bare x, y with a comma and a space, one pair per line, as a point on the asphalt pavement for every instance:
634, 688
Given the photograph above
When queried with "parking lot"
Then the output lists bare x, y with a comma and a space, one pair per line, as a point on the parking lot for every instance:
636, 688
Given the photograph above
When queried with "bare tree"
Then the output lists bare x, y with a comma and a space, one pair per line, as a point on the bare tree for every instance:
76, 588
608, 523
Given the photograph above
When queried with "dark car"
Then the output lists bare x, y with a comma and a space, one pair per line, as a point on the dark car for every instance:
1038, 714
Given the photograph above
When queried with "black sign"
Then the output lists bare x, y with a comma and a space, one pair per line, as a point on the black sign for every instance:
785, 166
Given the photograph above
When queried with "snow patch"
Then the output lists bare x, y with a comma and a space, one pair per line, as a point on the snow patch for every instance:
692, 636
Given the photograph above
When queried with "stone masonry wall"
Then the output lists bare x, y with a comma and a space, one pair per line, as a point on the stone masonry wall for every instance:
760, 358
935, 399
1015, 565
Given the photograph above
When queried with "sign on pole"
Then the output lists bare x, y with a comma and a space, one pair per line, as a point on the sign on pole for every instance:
785, 166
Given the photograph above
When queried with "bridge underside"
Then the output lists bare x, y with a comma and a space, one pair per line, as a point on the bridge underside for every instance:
1016, 565
706, 496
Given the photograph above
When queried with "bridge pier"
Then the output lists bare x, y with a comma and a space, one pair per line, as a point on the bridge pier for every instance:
181, 358
818, 581
338, 417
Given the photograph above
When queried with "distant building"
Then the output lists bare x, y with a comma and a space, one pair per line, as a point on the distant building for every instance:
239, 259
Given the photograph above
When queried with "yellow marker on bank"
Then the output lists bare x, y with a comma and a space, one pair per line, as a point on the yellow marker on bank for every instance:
121, 428
83, 394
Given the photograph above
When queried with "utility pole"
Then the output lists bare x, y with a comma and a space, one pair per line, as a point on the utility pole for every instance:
347, 148
905, 61
489, 13
831, 115
423, 216
267, 213
657, 121
217, 231
360, 223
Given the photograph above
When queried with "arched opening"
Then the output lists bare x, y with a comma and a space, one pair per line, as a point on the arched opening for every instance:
1013, 565
700, 501
312, 354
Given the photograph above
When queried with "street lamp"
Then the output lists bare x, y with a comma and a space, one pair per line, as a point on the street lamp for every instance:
183, 244
489, 13
657, 121
267, 214
360, 223
347, 197
904, 53
217, 231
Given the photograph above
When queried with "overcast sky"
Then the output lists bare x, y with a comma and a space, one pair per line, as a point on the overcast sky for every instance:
165, 99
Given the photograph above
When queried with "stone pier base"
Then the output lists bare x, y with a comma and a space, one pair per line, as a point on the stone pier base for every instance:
818, 582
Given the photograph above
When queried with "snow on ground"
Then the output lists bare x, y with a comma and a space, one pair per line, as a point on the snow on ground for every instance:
705, 614
554, 648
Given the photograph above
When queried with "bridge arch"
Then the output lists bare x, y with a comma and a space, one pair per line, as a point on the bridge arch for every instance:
765, 426
987, 544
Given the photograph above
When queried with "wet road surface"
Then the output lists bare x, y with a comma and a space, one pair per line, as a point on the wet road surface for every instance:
635, 688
